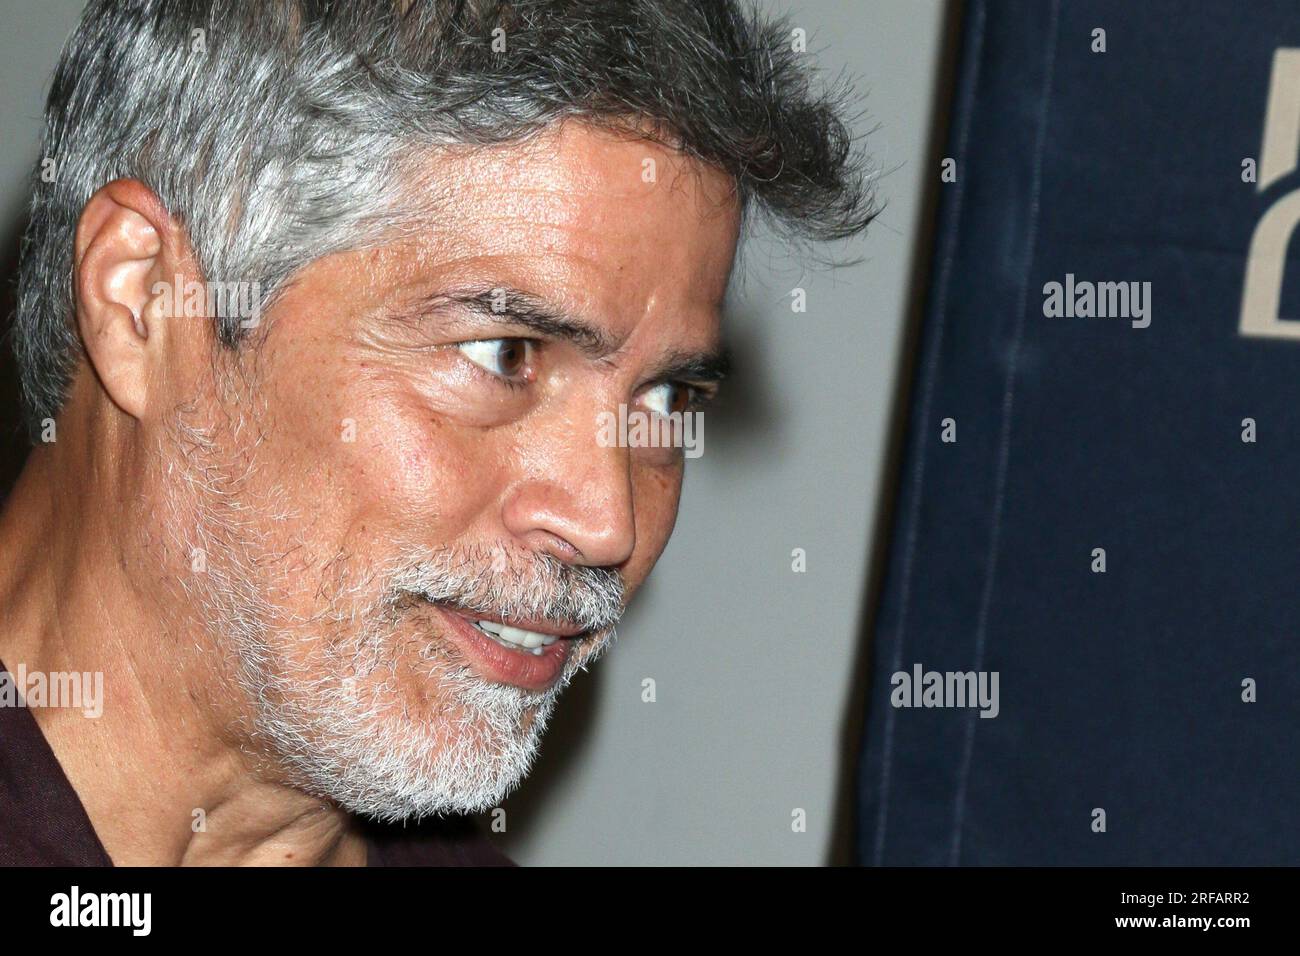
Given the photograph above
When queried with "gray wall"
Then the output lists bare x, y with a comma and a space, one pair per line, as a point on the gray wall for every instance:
754, 665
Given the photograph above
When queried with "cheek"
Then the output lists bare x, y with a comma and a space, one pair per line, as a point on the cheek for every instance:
376, 463
656, 492
418, 472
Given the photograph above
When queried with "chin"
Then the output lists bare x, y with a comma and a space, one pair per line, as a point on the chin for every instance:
393, 754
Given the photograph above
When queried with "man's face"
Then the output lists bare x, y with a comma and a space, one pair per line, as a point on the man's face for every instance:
414, 447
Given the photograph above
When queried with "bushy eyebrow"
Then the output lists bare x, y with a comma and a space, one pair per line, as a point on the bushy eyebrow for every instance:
700, 367
517, 307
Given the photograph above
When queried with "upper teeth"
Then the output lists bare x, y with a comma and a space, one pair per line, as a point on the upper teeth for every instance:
516, 636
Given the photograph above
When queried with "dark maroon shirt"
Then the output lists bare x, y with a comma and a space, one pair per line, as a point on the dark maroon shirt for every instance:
43, 823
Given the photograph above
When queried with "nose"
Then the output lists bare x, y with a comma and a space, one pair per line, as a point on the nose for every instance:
581, 511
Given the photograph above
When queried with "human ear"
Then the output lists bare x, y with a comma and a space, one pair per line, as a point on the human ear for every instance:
126, 242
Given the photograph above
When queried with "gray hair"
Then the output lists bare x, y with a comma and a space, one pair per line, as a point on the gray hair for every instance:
279, 131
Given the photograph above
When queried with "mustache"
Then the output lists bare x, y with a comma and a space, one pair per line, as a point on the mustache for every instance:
515, 587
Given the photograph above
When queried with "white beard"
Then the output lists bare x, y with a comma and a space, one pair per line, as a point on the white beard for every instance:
376, 759
345, 733
338, 726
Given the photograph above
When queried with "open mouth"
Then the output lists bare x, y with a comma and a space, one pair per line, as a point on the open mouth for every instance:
515, 638
531, 656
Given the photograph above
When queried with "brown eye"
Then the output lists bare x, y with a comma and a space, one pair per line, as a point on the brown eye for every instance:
504, 358
681, 398
669, 397
511, 357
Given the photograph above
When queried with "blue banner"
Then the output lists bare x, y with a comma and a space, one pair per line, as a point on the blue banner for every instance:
1087, 649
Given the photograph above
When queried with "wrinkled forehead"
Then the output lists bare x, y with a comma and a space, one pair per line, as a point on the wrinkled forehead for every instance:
605, 224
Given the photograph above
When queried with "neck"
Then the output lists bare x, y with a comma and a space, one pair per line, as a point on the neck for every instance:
164, 777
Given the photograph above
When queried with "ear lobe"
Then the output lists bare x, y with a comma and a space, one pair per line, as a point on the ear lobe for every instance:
120, 254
